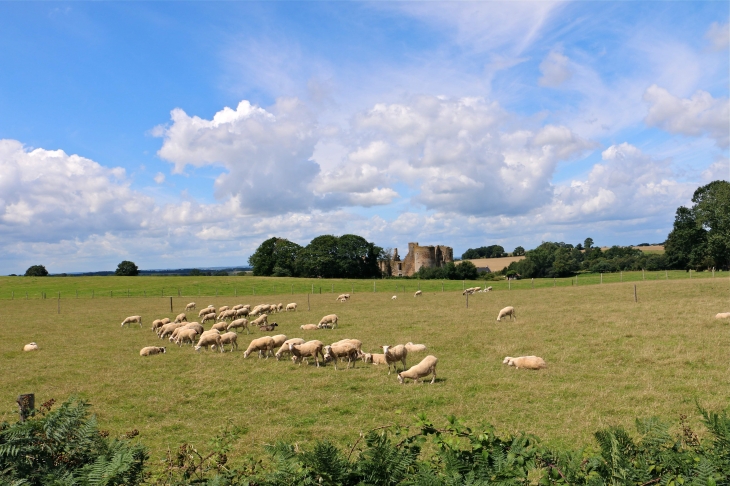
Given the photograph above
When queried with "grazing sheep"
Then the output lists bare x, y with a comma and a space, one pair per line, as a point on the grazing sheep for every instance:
263, 345
343, 296
305, 350
220, 326
166, 320
230, 338
418, 293
181, 318
356, 342
151, 350
309, 327
376, 359
260, 321
192, 326
190, 306
227, 314
426, 367
242, 312
284, 349
528, 362
208, 317
341, 350
279, 307
131, 319
255, 311
157, 323
327, 320
239, 323
237, 306
167, 329
185, 335
723, 315
488, 289
207, 310
415, 348
30, 347
292, 306
279, 339
268, 327
211, 339
507, 311
393, 354
394, 297
223, 309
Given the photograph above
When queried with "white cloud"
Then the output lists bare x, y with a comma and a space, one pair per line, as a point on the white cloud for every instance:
698, 115
718, 170
160, 178
719, 36
555, 69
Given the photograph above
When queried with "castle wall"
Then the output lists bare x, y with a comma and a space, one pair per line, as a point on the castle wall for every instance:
424, 256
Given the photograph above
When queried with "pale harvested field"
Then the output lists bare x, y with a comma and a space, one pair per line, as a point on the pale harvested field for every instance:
610, 360
495, 264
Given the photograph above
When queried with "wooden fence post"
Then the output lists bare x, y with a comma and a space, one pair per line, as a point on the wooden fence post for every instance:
636, 299
170, 304
467, 300
308, 308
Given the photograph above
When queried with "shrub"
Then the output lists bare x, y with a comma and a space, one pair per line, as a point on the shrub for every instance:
36, 271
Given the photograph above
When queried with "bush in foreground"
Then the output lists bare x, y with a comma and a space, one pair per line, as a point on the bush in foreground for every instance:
65, 447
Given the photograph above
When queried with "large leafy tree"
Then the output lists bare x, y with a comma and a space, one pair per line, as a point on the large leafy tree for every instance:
492, 251
357, 257
36, 271
319, 258
275, 256
700, 237
127, 269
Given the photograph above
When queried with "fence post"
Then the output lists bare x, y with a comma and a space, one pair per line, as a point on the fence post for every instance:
636, 299
442, 286
373, 285
26, 403
509, 283
111, 293
59, 302
467, 300
643, 277
690, 274
292, 289
92, 294
666, 275
533, 283
308, 308
622, 275
713, 272
26, 295
553, 281
170, 304
332, 289
601, 277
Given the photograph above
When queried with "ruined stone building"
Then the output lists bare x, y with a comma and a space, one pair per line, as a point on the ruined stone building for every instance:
418, 256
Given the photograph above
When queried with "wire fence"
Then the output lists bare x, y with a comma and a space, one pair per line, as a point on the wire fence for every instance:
60, 288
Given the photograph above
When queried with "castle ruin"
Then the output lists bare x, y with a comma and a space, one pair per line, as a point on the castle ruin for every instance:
419, 256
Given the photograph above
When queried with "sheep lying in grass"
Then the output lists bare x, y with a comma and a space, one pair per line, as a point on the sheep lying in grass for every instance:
426, 367
268, 327
309, 327
305, 350
507, 311
415, 348
239, 323
151, 350
132, 319
393, 354
181, 317
30, 347
528, 362
291, 307
190, 306
342, 296
209, 339
284, 349
376, 359
263, 345
327, 321
723, 315
418, 293
230, 338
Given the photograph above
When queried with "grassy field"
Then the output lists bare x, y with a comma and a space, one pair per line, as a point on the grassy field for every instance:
609, 359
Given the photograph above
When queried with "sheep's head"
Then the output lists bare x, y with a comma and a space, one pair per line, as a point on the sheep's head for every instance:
197, 348
400, 378
385, 349
164, 350
507, 360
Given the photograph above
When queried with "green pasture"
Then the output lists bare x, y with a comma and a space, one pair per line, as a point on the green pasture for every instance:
250, 287
610, 359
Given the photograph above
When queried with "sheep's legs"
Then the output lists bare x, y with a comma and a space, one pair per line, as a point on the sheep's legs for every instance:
434, 377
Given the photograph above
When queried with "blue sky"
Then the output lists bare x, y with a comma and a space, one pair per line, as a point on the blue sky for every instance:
185, 133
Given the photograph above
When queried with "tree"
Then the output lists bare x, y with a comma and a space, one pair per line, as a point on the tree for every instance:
319, 258
272, 253
588, 243
36, 271
519, 251
127, 269
466, 270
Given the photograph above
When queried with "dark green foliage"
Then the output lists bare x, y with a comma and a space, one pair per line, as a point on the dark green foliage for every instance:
493, 251
519, 251
65, 447
700, 238
465, 270
272, 253
127, 269
36, 271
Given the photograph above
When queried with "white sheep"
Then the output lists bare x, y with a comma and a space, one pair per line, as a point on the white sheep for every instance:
181, 317
507, 311
230, 338
190, 306
193, 326
279, 307
30, 347
208, 317
328, 320
237, 306
157, 323
262, 345
220, 326
426, 367
356, 342
284, 349
279, 339
132, 319
167, 329
723, 315
343, 296
309, 327
209, 339
242, 312
305, 350
394, 297
341, 350
239, 323
528, 362
415, 348
376, 359
151, 350
205, 311
292, 306
185, 335
223, 308
262, 320
393, 354
418, 293
488, 289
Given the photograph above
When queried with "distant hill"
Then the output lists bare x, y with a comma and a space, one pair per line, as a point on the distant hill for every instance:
164, 271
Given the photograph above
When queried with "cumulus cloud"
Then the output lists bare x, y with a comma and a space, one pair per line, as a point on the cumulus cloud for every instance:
160, 178
719, 169
719, 36
555, 70
701, 114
